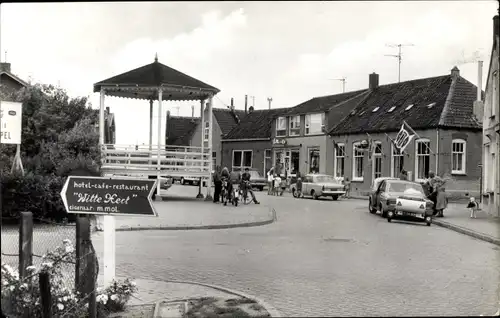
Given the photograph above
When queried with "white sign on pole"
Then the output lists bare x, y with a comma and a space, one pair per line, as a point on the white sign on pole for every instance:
10, 122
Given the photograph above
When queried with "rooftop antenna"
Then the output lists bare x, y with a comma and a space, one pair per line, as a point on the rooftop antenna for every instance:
5, 58
177, 107
269, 100
342, 80
398, 56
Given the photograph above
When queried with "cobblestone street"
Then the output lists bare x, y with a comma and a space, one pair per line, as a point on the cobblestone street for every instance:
326, 258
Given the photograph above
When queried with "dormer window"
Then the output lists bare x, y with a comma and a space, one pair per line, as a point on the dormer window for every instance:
431, 105
315, 124
409, 107
281, 126
391, 109
375, 109
294, 126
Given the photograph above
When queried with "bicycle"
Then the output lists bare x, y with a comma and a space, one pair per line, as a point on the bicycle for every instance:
224, 192
245, 198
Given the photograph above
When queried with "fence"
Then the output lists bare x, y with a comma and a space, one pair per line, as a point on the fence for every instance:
65, 284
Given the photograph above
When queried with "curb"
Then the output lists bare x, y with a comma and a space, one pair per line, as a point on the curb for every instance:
468, 232
273, 219
270, 309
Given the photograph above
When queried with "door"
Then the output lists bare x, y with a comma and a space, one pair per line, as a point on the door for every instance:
380, 190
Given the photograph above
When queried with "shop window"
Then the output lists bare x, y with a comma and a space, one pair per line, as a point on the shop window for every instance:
315, 124
314, 160
294, 129
281, 126
458, 156
423, 159
340, 160
357, 162
295, 161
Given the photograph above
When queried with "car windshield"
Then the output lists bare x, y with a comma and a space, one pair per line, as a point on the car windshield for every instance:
254, 174
325, 179
403, 186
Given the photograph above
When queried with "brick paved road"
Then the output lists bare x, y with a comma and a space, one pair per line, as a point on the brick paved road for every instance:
327, 258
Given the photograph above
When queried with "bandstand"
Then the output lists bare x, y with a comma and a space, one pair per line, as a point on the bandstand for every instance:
159, 82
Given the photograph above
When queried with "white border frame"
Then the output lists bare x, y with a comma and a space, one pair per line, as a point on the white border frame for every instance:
464, 158
357, 179
421, 140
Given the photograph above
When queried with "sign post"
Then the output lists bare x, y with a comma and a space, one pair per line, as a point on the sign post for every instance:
10, 132
109, 197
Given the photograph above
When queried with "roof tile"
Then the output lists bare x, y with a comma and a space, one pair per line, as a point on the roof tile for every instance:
256, 124
228, 119
180, 130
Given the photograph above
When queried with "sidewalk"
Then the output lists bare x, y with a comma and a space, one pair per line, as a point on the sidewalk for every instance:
457, 218
180, 210
154, 295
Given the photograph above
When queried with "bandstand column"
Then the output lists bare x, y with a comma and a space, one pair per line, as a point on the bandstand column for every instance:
101, 117
202, 123
150, 125
160, 98
210, 147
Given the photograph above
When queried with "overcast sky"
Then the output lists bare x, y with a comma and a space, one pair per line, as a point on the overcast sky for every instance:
289, 51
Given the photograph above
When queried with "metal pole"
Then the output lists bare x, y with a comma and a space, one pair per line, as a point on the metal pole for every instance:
399, 67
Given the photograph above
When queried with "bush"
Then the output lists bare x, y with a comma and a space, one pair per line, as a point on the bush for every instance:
22, 297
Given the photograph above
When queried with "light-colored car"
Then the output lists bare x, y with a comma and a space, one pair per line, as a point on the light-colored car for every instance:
319, 185
388, 190
257, 180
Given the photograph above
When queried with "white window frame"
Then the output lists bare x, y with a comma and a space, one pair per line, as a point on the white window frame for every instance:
214, 160
417, 156
376, 155
354, 157
280, 126
294, 125
457, 153
393, 159
206, 131
241, 166
336, 159
308, 124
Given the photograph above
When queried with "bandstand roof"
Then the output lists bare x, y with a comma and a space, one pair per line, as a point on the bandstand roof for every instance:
143, 82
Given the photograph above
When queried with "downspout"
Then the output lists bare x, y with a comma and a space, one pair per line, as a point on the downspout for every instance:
437, 151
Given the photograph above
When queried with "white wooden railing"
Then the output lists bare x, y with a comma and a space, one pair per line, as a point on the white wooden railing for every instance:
172, 158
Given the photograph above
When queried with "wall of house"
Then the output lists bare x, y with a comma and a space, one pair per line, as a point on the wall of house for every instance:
491, 139
216, 138
258, 148
459, 186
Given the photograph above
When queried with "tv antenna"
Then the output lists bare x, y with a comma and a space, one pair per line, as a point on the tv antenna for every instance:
5, 56
342, 80
269, 100
476, 56
398, 56
177, 107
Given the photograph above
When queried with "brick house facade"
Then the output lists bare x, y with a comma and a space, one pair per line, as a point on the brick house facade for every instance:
447, 140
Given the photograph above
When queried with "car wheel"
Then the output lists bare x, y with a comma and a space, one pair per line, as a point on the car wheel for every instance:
335, 197
428, 221
313, 194
370, 208
389, 220
182, 181
294, 193
384, 213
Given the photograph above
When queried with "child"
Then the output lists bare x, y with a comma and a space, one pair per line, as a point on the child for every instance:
277, 184
347, 186
473, 207
283, 185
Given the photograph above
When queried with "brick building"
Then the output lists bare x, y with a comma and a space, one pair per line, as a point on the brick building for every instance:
491, 130
299, 139
223, 121
439, 109
249, 144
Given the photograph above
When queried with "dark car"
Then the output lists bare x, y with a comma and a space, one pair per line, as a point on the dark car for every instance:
257, 179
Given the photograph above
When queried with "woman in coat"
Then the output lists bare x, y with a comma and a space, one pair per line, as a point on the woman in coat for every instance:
217, 184
441, 200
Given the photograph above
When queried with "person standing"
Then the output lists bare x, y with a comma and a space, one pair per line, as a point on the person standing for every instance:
245, 186
234, 179
270, 180
217, 184
403, 175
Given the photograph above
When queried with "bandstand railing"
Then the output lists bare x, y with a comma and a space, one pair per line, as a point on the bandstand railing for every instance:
178, 159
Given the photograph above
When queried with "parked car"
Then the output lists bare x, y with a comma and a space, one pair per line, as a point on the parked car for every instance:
319, 185
386, 191
257, 179
413, 205
186, 180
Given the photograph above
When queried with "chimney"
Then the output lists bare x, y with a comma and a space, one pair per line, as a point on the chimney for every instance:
250, 110
496, 27
192, 111
5, 67
455, 73
373, 80
246, 104
478, 107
